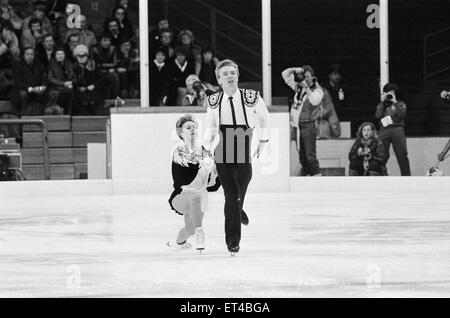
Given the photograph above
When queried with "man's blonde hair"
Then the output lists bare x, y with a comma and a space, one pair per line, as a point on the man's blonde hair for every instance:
224, 63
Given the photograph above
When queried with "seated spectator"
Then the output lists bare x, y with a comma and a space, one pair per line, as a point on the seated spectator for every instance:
112, 27
125, 25
72, 42
195, 91
128, 69
60, 79
367, 155
39, 8
87, 98
32, 37
61, 29
8, 14
158, 74
105, 57
164, 43
86, 36
30, 80
337, 89
174, 88
155, 34
46, 50
191, 50
208, 69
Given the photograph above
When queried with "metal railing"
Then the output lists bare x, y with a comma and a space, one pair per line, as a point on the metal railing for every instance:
214, 13
435, 53
35, 122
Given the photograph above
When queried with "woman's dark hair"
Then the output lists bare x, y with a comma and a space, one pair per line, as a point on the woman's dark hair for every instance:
367, 123
34, 21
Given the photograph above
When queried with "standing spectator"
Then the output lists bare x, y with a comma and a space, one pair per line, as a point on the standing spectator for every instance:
46, 50
128, 69
39, 8
86, 36
208, 69
112, 27
191, 50
305, 111
32, 37
158, 74
85, 84
125, 25
367, 155
337, 89
31, 81
60, 78
8, 14
105, 57
165, 43
155, 34
175, 87
391, 111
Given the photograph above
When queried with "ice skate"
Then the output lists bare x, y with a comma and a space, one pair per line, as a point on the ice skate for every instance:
183, 246
233, 250
200, 237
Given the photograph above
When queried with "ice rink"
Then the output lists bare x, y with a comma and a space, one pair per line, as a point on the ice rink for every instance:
297, 245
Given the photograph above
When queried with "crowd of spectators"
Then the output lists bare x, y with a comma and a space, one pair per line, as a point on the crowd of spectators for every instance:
182, 73
48, 67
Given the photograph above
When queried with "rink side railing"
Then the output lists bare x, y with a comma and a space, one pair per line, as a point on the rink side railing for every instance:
34, 122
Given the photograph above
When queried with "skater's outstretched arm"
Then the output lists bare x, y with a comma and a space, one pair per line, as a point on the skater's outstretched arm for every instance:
443, 154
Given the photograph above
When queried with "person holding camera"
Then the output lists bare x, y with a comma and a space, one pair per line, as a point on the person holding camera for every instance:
367, 154
391, 111
305, 110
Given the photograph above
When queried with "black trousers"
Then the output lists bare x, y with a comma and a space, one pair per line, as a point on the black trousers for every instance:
307, 153
235, 179
396, 137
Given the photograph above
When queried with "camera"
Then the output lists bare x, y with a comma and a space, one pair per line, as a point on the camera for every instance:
299, 76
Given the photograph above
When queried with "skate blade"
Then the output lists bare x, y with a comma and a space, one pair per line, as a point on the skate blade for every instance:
233, 254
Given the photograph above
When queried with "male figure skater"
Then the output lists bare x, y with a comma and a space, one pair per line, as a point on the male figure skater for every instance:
232, 115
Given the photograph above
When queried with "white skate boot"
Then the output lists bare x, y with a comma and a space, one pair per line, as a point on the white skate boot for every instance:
200, 237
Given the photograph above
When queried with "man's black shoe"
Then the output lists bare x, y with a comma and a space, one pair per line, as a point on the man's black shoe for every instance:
244, 218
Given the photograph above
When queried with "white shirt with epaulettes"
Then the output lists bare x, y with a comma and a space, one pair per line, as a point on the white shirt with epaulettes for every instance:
256, 113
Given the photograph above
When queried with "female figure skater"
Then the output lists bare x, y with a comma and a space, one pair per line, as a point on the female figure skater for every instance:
194, 175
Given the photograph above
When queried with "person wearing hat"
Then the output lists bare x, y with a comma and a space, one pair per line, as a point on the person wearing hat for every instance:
305, 111
60, 79
39, 12
232, 115
86, 81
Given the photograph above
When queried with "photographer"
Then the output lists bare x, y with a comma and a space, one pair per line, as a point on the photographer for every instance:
367, 155
391, 111
196, 91
305, 110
